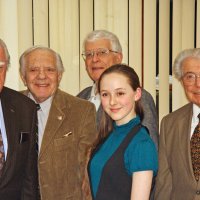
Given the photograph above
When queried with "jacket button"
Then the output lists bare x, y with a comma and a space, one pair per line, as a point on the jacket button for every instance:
198, 192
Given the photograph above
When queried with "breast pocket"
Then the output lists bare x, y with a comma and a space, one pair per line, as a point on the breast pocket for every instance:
65, 158
65, 142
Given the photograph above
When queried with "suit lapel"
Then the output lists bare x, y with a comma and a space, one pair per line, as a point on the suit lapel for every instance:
184, 129
9, 114
57, 114
86, 93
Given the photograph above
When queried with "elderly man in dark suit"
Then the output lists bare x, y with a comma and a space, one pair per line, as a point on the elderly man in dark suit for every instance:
18, 156
179, 146
101, 49
66, 125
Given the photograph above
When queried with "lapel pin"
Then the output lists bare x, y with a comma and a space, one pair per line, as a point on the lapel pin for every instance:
59, 117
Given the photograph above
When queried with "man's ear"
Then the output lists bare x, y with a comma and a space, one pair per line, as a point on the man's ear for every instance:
23, 79
119, 58
59, 76
138, 94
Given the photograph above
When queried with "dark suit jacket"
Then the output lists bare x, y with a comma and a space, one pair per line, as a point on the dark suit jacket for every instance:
150, 114
69, 131
19, 176
175, 179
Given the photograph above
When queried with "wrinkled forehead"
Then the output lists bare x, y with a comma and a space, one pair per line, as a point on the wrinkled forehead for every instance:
40, 56
191, 63
97, 44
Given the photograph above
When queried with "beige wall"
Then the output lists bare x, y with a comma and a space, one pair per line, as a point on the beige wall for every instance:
63, 24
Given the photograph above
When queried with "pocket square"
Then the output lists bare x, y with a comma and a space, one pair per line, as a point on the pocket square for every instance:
67, 134
23, 137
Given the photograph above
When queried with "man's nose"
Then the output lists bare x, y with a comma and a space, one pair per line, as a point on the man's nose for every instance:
95, 57
41, 73
198, 81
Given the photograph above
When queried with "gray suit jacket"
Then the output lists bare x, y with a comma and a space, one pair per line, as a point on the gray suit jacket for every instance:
175, 179
150, 115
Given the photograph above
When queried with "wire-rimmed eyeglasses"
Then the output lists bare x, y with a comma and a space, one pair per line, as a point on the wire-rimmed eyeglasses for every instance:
100, 53
190, 78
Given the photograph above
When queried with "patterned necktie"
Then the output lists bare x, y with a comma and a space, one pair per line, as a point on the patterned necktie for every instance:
2, 155
195, 150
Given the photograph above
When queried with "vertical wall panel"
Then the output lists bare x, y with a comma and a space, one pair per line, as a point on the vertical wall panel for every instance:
135, 36
66, 33
55, 15
188, 13
150, 46
164, 17
86, 26
198, 25
113, 16
24, 26
177, 90
41, 22
183, 37
9, 33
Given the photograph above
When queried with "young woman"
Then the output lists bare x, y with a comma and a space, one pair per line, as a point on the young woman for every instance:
124, 160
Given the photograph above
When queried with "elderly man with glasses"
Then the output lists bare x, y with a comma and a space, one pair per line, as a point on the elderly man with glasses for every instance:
102, 49
179, 146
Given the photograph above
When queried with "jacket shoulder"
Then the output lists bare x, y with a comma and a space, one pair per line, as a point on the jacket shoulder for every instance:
15, 96
179, 113
85, 93
71, 100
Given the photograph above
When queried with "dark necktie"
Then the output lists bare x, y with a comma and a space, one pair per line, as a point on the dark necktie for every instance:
195, 150
38, 108
2, 155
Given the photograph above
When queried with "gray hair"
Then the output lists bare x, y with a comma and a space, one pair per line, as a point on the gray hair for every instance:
22, 60
177, 67
3, 45
104, 34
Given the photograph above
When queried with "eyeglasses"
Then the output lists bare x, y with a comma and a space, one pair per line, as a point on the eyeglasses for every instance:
100, 53
190, 78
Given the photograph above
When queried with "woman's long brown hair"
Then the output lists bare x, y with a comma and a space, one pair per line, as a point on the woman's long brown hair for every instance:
106, 123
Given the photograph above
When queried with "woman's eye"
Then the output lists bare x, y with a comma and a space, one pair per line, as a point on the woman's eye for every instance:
120, 93
104, 94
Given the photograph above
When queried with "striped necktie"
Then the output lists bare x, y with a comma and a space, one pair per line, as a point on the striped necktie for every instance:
37, 147
195, 150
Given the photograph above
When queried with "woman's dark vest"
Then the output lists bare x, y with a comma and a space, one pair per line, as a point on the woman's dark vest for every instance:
115, 182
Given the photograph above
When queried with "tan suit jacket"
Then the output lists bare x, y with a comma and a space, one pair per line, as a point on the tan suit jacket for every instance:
70, 129
175, 180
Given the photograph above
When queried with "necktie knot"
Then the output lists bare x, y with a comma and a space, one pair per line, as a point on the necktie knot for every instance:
198, 116
38, 106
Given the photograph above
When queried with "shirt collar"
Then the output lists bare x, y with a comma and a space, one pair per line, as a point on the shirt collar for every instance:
196, 111
45, 105
94, 90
